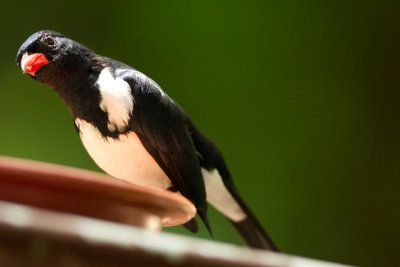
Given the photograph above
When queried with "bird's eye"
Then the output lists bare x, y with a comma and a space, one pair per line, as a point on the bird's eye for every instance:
50, 41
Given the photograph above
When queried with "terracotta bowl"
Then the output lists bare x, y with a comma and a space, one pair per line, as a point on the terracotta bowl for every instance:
72, 190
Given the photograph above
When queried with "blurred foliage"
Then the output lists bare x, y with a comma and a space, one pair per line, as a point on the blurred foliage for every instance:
301, 96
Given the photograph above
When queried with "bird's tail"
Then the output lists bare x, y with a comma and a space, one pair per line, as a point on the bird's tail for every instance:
254, 237
251, 231
222, 194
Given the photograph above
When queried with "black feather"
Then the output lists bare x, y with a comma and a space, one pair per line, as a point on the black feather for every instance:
160, 126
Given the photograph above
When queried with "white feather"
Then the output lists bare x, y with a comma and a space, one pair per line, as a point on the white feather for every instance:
220, 197
116, 100
24, 61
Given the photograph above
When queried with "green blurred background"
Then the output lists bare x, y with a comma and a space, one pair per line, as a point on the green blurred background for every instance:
301, 96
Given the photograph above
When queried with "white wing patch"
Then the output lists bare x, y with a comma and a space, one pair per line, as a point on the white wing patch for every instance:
219, 196
116, 100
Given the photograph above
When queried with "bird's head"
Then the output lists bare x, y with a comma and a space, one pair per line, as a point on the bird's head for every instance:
52, 58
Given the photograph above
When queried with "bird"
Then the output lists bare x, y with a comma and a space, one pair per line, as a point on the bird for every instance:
134, 131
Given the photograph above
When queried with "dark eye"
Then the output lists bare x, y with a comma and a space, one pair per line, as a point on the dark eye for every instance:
50, 41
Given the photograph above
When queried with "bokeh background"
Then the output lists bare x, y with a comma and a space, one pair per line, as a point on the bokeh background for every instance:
301, 96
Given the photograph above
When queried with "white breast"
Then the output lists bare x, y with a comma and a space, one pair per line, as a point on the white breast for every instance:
125, 158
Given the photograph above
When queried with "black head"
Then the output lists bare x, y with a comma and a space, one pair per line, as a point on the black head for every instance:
52, 58
66, 66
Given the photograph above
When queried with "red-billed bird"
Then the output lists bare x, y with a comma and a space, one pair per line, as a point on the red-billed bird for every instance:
134, 131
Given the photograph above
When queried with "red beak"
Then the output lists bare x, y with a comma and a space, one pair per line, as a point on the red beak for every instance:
32, 63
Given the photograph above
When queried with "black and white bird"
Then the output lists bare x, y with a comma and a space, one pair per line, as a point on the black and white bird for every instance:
134, 131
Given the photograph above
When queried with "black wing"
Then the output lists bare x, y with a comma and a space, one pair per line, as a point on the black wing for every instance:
161, 127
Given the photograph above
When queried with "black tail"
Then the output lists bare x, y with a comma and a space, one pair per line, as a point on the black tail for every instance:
253, 236
251, 231
210, 158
